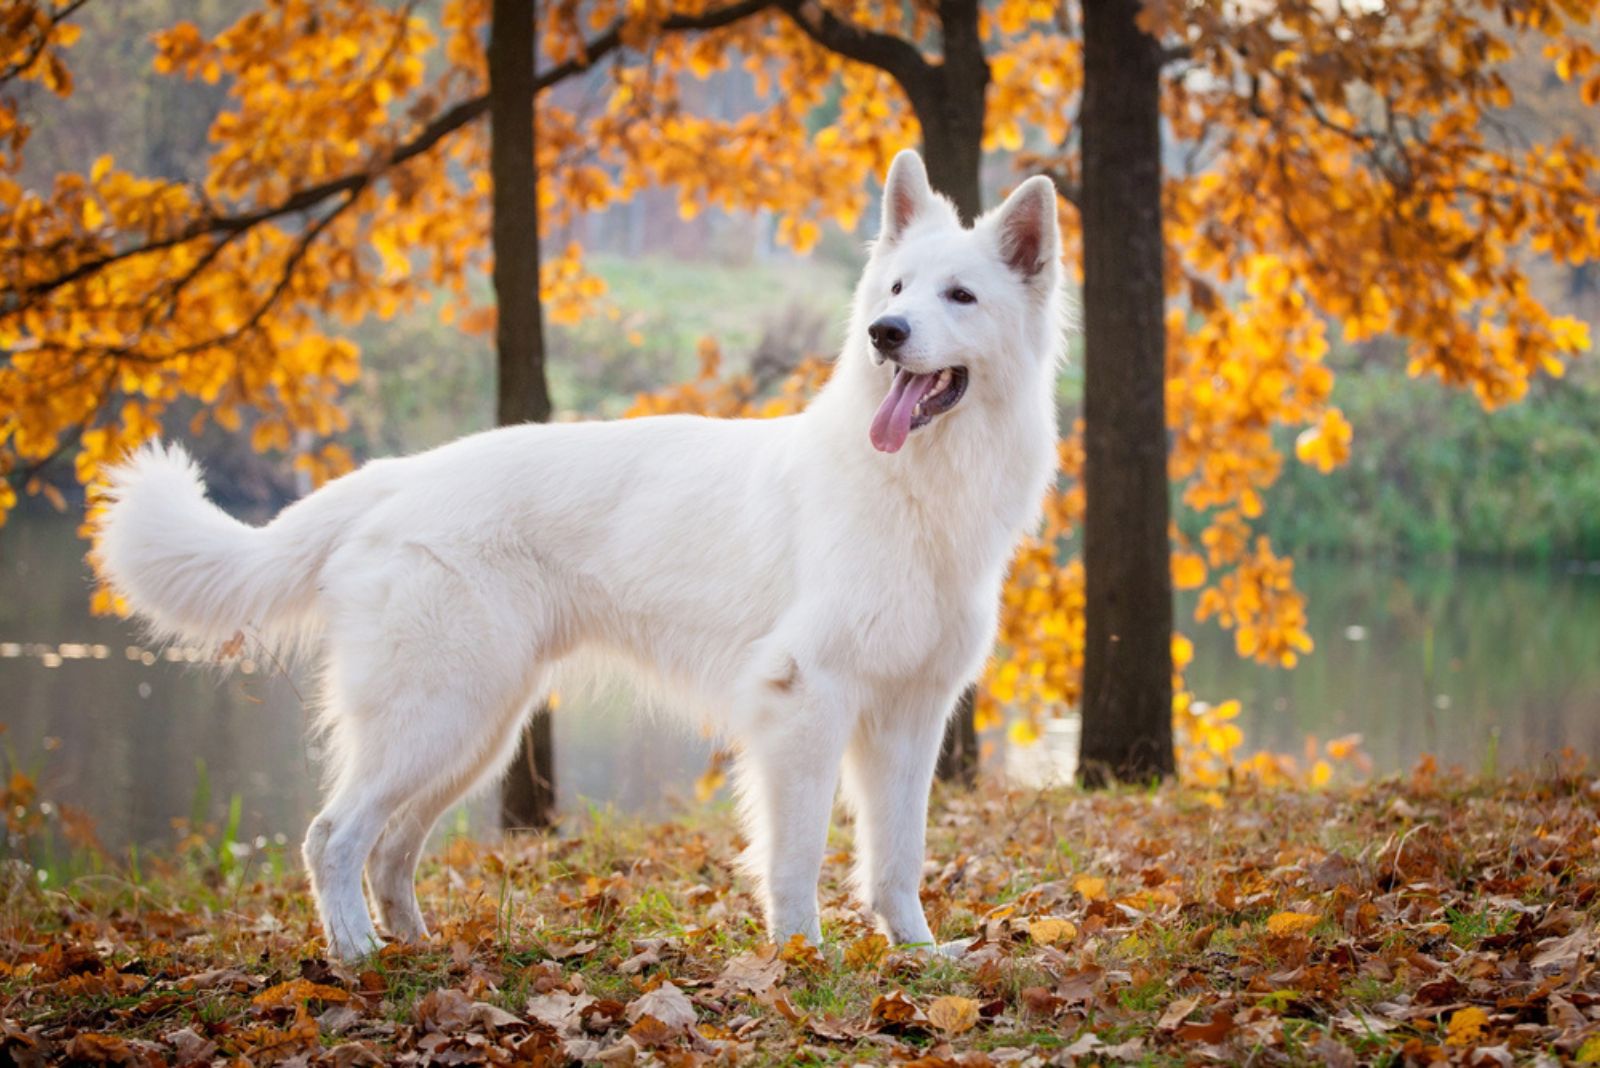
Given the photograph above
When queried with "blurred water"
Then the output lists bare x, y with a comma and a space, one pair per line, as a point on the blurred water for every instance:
1416, 660
123, 736
1471, 664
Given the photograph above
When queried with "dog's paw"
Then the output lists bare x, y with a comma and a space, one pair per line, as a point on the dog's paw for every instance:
354, 947
948, 950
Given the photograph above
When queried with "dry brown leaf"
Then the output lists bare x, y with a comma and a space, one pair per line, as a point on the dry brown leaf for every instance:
953, 1015
448, 1010
651, 1033
754, 972
1176, 1012
666, 1003
560, 1010
1211, 1032
1557, 956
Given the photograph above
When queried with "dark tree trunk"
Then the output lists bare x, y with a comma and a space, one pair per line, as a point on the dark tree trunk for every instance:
1127, 677
950, 109
522, 395
958, 759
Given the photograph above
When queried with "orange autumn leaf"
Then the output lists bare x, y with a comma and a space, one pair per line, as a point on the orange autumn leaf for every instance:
1466, 1026
1092, 887
953, 1015
1292, 923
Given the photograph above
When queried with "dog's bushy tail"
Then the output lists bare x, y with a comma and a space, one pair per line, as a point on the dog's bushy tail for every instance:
194, 572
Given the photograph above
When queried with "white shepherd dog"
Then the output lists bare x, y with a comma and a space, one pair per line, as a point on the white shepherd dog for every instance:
820, 587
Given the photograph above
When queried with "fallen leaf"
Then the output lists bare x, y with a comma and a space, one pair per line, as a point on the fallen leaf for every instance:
799, 952
1557, 956
1211, 1032
1288, 923
666, 1003
894, 1009
352, 1055
1092, 887
189, 1047
866, 952
449, 1010
557, 951
1050, 930
1084, 1045
754, 972
1041, 1001
651, 1033
1466, 1027
1176, 1013
559, 1010
220, 979
1080, 985
298, 992
953, 1015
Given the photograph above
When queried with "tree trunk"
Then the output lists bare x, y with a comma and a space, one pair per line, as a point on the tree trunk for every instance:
950, 107
1127, 678
951, 113
522, 394
952, 156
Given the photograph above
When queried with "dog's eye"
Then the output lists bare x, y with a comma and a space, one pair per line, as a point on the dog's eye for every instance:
961, 296
895, 289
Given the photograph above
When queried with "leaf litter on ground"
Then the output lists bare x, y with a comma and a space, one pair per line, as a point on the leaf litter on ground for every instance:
1425, 919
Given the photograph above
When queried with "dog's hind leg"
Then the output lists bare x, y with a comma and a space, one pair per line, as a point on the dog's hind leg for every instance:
407, 732
888, 772
392, 867
789, 772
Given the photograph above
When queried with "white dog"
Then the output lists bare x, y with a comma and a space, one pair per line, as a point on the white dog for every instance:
822, 586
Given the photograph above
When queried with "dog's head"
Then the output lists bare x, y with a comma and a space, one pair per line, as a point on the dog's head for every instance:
952, 314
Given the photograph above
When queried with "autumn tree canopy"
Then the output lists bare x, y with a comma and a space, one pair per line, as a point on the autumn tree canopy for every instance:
1333, 171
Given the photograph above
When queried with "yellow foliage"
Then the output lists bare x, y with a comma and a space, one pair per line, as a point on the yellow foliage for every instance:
1356, 187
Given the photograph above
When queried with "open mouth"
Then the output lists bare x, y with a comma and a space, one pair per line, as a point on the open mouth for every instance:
914, 400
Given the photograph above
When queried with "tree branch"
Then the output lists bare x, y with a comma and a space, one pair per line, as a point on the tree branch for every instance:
893, 55
431, 134
1065, 189
30, 57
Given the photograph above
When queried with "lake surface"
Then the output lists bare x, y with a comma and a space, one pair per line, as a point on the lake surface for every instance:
1463, 663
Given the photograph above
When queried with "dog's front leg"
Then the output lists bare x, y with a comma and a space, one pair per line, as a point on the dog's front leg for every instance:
793, 743
888, 773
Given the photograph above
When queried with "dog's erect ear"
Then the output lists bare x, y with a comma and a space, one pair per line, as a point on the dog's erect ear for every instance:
1030, 236
906, 195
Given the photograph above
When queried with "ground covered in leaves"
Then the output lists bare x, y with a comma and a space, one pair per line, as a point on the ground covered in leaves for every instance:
1411, 921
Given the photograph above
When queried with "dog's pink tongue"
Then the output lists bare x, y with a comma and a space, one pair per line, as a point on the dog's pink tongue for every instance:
893, 421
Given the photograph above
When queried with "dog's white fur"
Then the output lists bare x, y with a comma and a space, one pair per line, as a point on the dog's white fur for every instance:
820, 602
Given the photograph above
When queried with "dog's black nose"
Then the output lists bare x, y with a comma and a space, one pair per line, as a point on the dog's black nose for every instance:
889, 333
